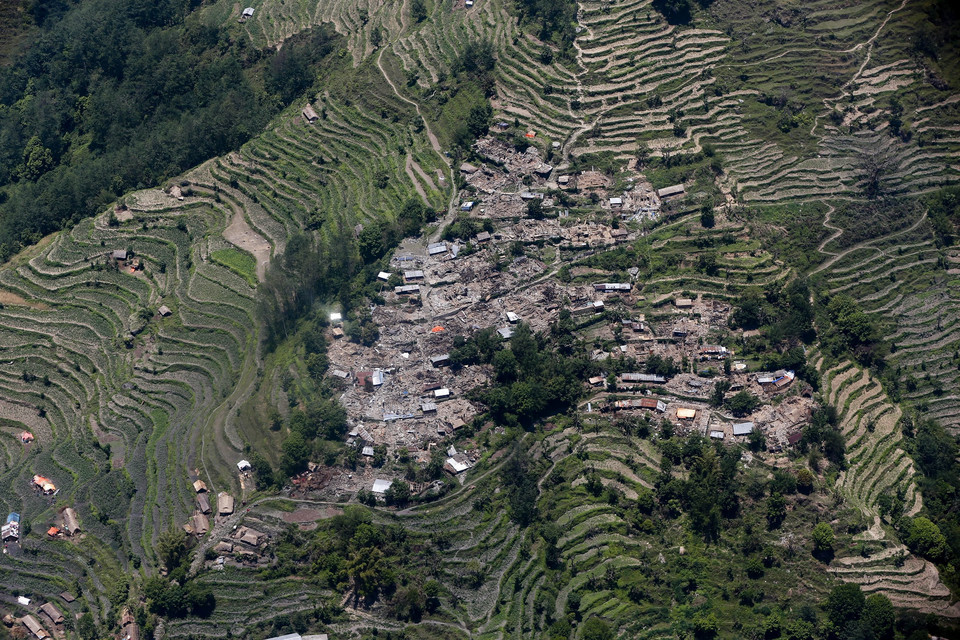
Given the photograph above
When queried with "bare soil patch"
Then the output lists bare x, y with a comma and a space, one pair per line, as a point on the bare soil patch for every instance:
242, 236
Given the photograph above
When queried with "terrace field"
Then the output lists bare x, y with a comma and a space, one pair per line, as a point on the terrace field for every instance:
816, 135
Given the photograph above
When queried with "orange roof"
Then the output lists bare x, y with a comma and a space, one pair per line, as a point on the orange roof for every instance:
437, 329
26, 436
52, 531
531, 134
44, 484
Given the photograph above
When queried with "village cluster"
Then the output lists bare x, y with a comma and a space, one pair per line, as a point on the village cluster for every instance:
402, 393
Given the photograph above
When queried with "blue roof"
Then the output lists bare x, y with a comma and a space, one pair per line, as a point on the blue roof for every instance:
13, 517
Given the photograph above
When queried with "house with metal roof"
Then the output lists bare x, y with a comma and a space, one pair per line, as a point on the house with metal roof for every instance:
743, 428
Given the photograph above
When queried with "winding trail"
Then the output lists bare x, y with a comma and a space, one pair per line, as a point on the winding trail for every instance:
862, 245
869, 45
837, 231
435, 144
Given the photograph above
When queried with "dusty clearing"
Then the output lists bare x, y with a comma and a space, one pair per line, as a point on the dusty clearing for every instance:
311, 515
242, 236
9, 297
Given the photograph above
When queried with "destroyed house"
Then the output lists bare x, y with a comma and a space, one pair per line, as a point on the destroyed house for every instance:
380, 486
456, 464
543, 170
407, 289
10, 531
198, 524
670, 192
440, 361
713, 351
593, 307
641, 378
483, 236
309, 114
679, 332
251, 537
44, 485
612, 286
684, 303
468, 168
653, 403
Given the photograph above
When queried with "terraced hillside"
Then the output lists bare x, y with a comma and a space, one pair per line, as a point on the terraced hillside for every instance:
796, 112
129, 407
905, 279
878, 465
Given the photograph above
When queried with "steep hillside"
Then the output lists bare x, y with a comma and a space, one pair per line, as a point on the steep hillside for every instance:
143, 353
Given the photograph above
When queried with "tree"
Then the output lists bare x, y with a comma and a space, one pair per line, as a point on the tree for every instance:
822, 538
37, 160
643, 153
86, 627
924, 538
879, 616
596, 629
365, 570
707, 218
172, 548
742, 404
720, 388
398, 493
478, 121
409, 603
535, 209
805, 480
418, 10
844, 604
776, 510
262, 469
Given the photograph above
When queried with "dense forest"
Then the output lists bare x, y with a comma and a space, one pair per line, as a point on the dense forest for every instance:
114, 96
